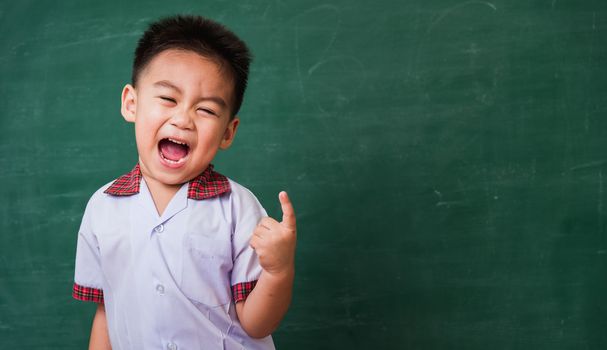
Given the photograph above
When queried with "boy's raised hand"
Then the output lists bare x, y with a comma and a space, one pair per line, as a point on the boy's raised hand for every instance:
274, 242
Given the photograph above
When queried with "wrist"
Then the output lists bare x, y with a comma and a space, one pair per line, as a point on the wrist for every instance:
284, 274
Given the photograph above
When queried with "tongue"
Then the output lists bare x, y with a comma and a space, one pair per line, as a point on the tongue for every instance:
173, 151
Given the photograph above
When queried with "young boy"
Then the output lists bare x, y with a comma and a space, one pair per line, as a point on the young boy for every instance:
176, 255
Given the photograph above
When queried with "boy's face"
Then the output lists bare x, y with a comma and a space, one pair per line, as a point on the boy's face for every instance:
181, 111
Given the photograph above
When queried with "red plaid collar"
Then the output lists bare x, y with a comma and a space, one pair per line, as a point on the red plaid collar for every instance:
206, 185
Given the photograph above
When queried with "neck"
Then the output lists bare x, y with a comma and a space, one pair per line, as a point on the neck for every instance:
161, 193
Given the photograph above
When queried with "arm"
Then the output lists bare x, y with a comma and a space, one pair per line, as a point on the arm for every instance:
261, 313
100, 339
274, 242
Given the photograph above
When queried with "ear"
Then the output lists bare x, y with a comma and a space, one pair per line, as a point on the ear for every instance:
129, 103
229, 134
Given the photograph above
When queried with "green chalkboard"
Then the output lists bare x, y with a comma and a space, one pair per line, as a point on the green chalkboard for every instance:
446, 160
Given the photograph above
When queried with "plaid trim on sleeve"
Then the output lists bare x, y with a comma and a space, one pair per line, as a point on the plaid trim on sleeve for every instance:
87, 294
242, 290
127, 184
208, 184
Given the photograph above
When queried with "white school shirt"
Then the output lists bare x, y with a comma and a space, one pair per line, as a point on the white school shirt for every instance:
170, 281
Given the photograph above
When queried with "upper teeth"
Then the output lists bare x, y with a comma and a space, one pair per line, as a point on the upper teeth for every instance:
178, 142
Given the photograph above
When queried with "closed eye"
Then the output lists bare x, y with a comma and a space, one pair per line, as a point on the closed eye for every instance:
207, 111
168, 99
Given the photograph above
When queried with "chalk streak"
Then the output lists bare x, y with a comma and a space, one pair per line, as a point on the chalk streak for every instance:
456, 7
298, 22
450, 203
600, 202
98, 39
589, 165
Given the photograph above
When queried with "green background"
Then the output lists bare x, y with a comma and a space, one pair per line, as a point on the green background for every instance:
446, 160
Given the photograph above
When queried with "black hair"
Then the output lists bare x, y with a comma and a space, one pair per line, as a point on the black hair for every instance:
202, 36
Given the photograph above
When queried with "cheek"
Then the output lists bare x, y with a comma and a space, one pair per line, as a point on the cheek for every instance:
210, 133
145, 134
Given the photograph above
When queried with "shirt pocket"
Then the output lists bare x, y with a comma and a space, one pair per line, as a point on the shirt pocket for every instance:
115, 253
207, 263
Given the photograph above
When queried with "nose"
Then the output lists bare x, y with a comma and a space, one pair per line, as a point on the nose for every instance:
181, 120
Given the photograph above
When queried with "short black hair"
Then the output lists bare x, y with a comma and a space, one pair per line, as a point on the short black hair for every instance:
200, 35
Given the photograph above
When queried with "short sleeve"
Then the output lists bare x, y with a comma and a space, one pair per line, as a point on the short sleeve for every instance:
246, 213
88, 280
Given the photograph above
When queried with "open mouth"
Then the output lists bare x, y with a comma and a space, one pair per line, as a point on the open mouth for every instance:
173, 151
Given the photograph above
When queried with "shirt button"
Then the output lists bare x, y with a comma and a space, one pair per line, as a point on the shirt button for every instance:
159, 228
172, 346
160, 289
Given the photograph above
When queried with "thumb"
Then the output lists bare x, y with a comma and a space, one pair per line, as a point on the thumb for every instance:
288, 213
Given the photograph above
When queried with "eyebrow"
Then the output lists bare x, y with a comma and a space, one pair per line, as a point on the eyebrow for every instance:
167, 84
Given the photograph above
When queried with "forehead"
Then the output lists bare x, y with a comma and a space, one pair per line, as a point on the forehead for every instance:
189, 70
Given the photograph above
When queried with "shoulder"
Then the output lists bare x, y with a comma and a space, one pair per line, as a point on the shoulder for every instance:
238, 190
245, 212
98, 209
243, 200
100, 195
101, 202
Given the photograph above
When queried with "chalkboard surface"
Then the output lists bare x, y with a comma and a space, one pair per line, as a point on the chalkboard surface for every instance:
446, 160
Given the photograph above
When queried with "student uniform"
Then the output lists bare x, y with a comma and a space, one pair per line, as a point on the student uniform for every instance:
170, 281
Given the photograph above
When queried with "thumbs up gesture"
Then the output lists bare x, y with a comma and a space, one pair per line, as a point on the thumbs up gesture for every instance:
274, 242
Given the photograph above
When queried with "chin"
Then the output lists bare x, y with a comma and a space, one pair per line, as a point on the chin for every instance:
173, 180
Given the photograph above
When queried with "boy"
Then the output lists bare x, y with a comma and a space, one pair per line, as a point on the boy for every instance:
176, 255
